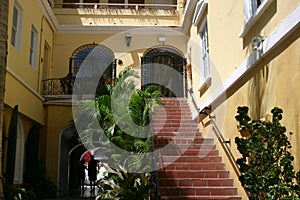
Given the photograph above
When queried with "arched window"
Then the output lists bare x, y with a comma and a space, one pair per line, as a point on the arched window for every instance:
102, 55
156, 70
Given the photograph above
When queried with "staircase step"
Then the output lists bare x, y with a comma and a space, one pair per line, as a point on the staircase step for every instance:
180, 147
202, 198
195, 182
198, 191
194, 166
190, 166
195, 174
184, 134
193, 159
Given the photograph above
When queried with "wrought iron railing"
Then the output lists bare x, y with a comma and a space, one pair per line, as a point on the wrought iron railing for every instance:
58, 86
115, 6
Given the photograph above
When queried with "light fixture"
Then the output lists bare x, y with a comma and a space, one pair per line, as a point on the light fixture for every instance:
162, 39
128, 39
257, 43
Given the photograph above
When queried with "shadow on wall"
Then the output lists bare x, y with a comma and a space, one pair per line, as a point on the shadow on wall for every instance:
257, 93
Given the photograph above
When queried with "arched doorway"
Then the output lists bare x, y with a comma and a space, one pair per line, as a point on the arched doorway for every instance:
70, 153
164, 67
68, 140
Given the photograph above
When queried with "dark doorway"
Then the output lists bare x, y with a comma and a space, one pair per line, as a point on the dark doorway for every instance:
164, 68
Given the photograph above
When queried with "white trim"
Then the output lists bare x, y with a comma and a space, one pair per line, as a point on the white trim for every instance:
289, 25
200, 8
25, 84
255, 17
47, 11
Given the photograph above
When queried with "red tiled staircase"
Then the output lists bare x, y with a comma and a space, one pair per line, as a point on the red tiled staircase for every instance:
190, 166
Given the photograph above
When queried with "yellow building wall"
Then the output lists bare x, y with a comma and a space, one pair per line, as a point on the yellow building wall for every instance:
66, 44
46, 39
58, 117
274, 85
21, 65
23, 80
30, 104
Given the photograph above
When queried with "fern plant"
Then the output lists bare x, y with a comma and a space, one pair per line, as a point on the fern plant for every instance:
266, 164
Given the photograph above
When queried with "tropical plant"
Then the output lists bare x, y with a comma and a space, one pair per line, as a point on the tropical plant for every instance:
266, 164
120, 184
124, 117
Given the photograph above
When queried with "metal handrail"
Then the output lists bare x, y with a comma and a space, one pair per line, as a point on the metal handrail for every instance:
118, 5
157, 188
218, 134
224, 145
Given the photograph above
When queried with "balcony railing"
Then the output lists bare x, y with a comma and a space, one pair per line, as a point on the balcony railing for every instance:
114, 6
58, 86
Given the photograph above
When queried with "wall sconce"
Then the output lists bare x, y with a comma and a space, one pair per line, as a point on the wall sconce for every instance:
257, 43
128, 39
162, 39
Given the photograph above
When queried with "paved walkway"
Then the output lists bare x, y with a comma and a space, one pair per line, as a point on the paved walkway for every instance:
86, 195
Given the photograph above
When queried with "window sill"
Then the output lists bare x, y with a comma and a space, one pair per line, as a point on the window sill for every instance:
255, 17
204, 86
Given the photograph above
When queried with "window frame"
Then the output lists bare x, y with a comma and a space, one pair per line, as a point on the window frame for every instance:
16, 29
33, 47
252, 16
204, 51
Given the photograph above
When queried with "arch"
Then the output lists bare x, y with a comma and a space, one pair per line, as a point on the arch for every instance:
78, 56
32, 163
69, 154
165, 48
68, 139
156, 64
19, 162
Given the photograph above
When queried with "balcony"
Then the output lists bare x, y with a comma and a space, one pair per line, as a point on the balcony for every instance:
117, 14
62, 88
58, 86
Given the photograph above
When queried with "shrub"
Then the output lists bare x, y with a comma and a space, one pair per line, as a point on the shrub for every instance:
266, 164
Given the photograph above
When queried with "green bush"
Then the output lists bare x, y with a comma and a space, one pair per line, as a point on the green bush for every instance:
266, 164
18, 193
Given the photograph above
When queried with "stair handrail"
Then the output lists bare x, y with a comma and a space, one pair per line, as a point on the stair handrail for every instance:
157, 188
224, 145
218, 133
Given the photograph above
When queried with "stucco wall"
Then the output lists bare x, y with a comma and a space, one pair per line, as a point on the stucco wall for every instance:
58, 117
